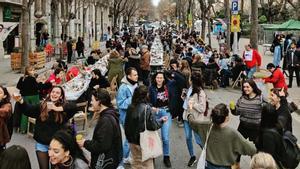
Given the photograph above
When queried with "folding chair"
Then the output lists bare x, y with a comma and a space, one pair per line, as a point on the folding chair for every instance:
238, 80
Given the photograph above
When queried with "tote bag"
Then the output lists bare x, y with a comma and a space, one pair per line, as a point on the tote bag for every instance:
150, 143
202, 159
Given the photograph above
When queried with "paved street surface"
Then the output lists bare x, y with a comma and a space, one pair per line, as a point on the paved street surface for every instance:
179, 153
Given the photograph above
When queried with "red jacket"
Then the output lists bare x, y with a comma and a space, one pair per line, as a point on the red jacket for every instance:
277, 79
255, 61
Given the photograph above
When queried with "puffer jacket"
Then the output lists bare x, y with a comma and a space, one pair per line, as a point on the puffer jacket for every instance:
135, 122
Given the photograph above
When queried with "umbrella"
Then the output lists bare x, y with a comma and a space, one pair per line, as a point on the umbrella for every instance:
6, 28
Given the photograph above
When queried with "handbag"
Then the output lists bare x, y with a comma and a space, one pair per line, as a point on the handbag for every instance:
150, 142
202, 159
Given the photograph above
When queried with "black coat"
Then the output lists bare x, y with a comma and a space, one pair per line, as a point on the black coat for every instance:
270, 141
135, 122
284, 115
106, 144
28, 86
44, 130
296, 58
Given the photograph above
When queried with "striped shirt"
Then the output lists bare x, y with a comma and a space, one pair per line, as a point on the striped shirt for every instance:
249, 110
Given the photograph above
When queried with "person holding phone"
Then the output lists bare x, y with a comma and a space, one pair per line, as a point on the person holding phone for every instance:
51, 115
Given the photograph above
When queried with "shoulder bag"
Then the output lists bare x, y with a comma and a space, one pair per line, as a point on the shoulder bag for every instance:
202, 159
150, 142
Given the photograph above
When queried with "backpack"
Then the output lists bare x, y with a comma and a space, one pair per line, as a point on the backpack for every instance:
291, 156
272, 48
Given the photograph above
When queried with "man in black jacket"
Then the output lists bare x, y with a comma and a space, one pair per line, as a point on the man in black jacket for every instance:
293, 63
70, 50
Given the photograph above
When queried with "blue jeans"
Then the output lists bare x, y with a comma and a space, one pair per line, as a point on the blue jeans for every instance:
165, 130
212, 166
250, 72
126, 149
189, 137
277, 56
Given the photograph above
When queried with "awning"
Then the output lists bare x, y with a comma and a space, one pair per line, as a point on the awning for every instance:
291, 25
6, 28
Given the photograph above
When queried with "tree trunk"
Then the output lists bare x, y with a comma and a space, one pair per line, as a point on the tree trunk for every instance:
84, 22
298, 10
128, 20
203, 26
242, 7
96, 18
101, 22
254, 24
227, 14
25, 35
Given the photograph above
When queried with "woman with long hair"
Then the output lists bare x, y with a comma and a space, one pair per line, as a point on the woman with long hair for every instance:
159, 98
64, 152
106, 143
115, 66
15, 157
248, 107
29, 90
5, 114
195, 102
135, 124
51, 115
224, 143
185, 69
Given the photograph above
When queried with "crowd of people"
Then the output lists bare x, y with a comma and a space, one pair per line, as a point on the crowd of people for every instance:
148, 99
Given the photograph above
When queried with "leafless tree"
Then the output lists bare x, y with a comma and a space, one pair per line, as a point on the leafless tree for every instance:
26, 26
118, 7
131, 9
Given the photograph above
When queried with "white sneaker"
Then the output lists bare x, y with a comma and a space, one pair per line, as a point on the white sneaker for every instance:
127, 160
120, 167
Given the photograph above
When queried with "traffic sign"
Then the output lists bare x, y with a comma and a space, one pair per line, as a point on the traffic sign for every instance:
235, 7
235, 23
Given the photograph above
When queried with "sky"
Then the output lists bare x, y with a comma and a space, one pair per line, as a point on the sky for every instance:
155, 2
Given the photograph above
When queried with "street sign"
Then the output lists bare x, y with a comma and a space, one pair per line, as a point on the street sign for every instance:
235, 23
235, 7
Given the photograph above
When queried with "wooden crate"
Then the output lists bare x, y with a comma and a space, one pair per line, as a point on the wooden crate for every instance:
15, 61
37, 59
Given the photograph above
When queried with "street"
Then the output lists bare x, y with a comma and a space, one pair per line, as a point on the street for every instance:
178, 153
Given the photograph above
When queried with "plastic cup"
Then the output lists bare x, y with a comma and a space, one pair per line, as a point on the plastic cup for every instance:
17, 96
79, 137
232, 105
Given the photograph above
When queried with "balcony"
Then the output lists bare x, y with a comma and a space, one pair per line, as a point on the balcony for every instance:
13, 2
